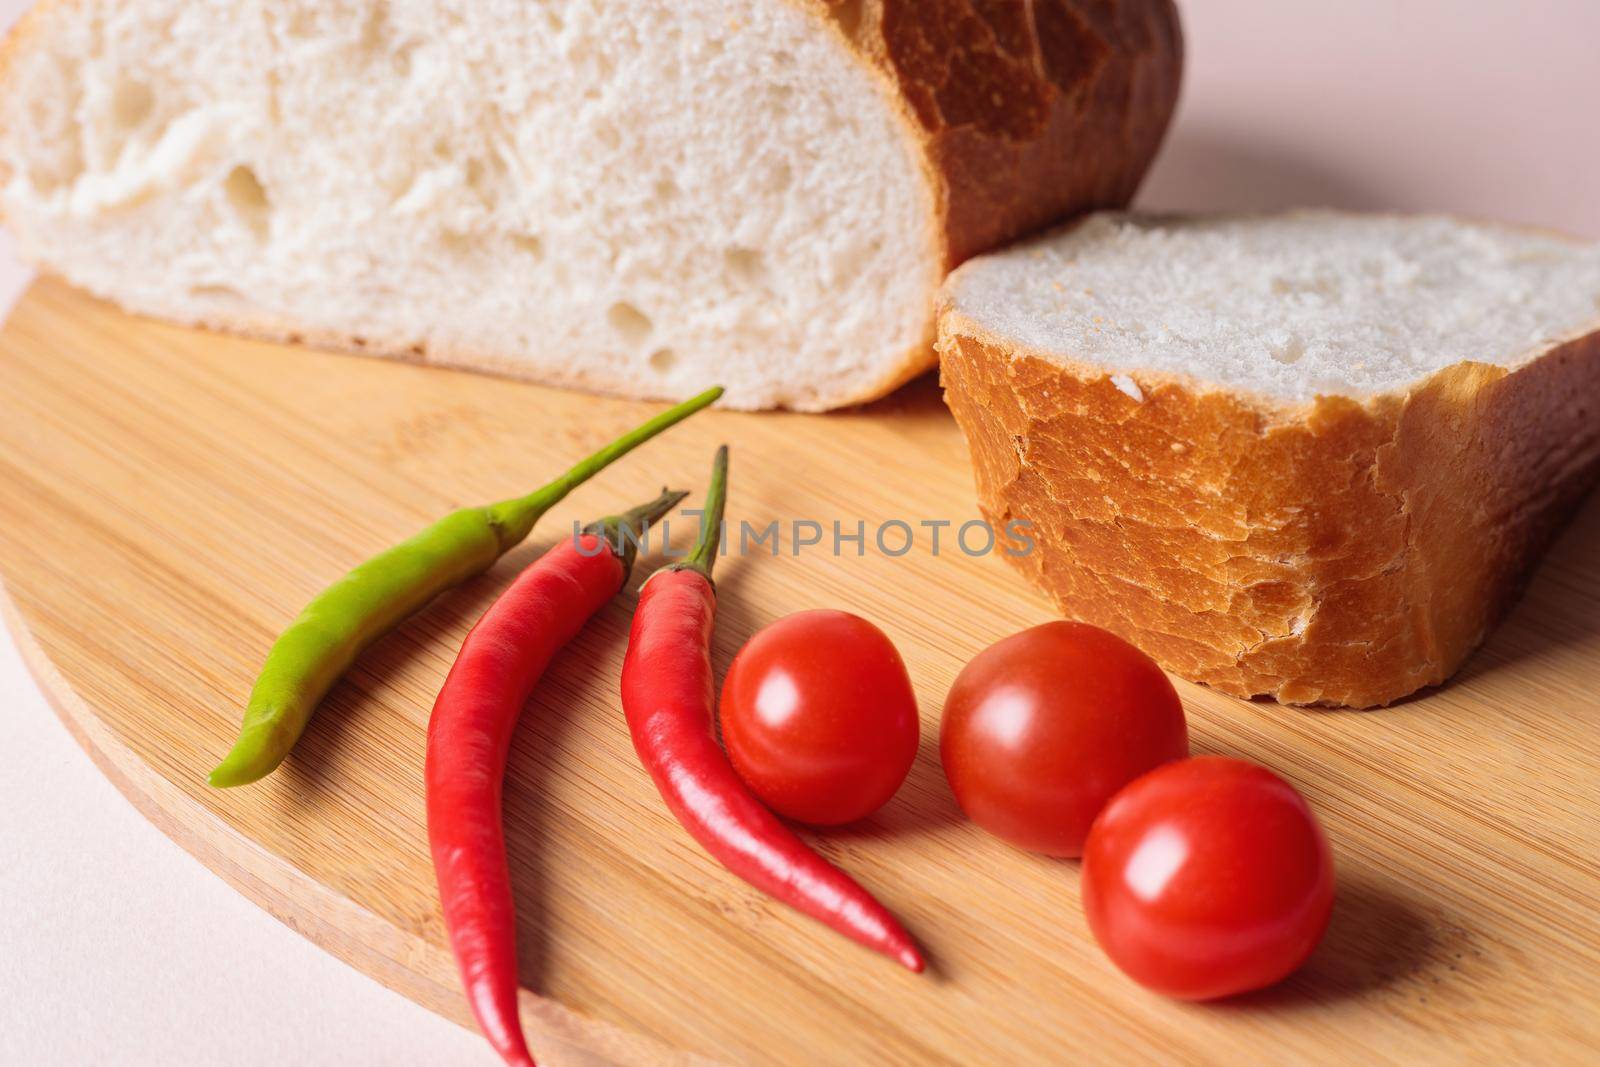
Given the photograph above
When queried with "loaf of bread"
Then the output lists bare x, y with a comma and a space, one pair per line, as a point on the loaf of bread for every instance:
1311, 456
640, 198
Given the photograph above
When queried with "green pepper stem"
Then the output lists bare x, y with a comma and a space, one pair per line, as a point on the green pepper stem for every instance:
515, 518
623, 532
704, 556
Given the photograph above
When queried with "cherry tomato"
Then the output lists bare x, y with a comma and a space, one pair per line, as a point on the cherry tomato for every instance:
819, 718
1040, 729
1207, 878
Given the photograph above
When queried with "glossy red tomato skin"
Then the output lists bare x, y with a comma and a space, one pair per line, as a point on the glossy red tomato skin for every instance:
819, 717
1042, 728
1208, 878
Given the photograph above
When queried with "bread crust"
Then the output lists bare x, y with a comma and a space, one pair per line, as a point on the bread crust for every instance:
1021, 113
1347, 552
1024, 112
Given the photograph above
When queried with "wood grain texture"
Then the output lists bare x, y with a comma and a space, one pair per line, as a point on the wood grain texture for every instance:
170, 499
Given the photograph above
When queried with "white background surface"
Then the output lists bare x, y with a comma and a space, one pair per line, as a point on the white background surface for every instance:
116, 947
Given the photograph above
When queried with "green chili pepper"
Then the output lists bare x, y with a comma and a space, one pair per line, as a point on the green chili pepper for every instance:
319, 646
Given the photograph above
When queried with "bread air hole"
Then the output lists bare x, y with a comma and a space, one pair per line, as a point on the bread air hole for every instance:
1289, 351
248, 200
633, 325
528, 244
216, 293
375, 32
402, 59
131, 104
662, 360
778, 179
302, 22
745, 266
483, 177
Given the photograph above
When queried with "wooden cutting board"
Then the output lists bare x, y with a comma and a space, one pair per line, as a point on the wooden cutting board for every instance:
169, 499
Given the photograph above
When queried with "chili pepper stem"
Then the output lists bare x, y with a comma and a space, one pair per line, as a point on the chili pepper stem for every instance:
515, 518
623, 531
704, 556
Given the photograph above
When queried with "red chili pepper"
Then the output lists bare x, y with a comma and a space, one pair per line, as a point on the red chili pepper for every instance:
667, 695
469, 738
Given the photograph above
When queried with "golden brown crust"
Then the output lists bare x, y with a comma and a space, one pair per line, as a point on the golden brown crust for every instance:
1024, 112
1027, 111
1344, 552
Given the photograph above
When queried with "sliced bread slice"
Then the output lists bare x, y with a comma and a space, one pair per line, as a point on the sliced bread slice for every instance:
640, 198
1311, 455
